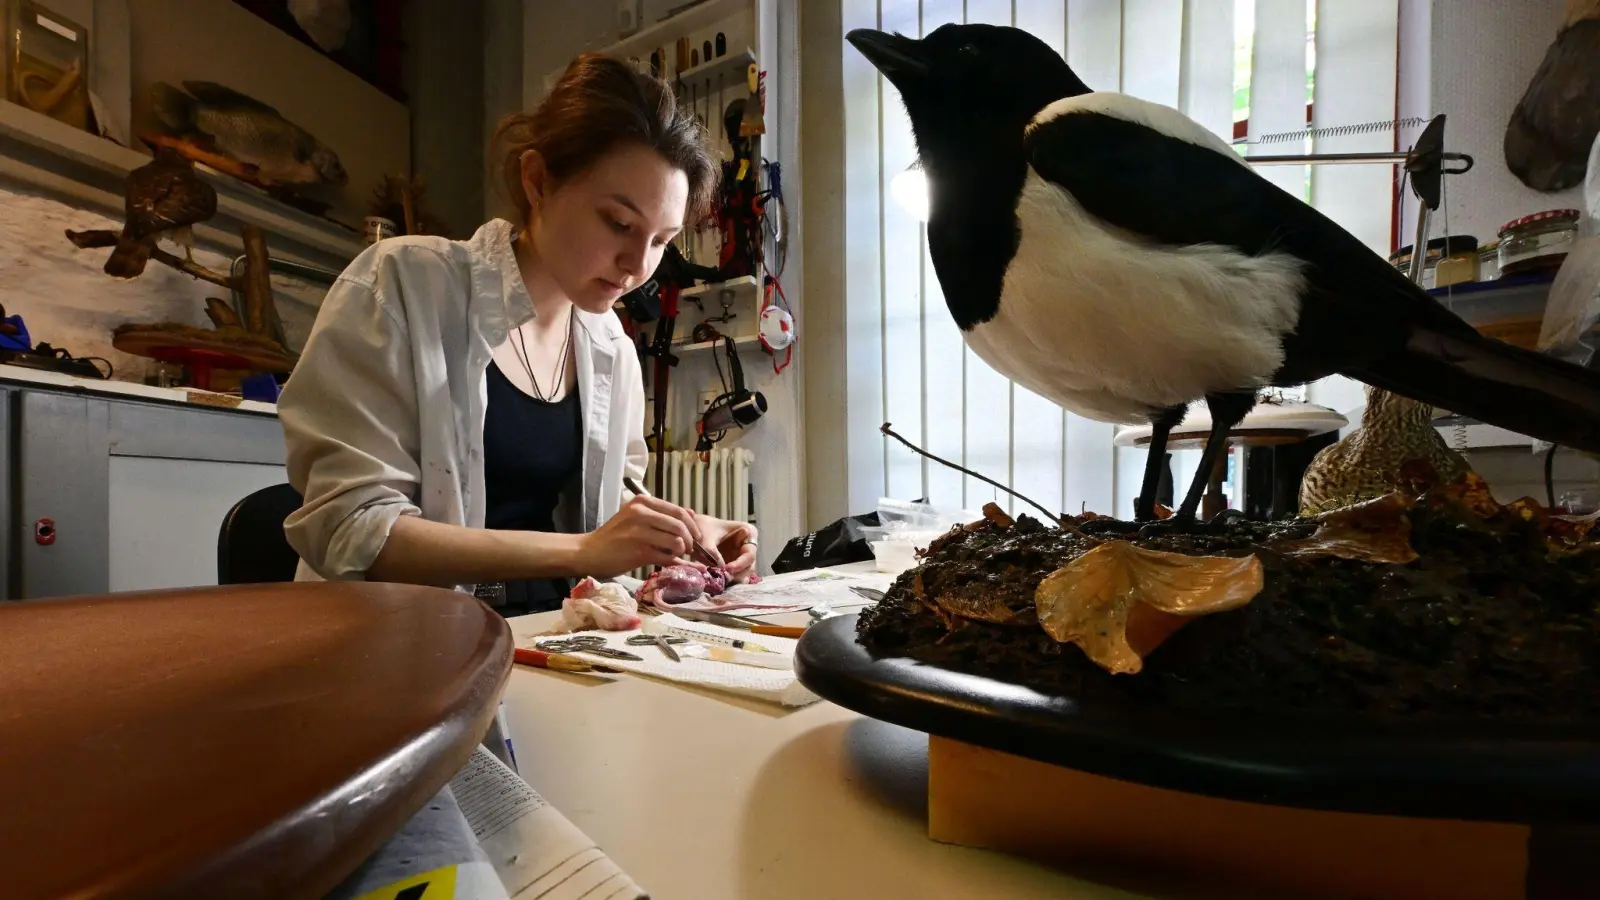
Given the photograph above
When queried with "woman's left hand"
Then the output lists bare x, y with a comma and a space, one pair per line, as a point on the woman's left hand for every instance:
735, 542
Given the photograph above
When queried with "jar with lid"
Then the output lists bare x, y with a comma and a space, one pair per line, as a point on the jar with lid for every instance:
1537, 243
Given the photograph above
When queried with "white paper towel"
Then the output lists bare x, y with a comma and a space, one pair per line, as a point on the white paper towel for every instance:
772, 685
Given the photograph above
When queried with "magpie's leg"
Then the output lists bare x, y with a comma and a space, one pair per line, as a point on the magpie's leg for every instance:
1161, 425
1227, 410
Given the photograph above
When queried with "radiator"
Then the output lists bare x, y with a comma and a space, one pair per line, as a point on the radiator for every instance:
719, 486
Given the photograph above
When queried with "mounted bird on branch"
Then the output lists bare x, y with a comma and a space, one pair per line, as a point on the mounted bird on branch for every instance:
1120, 259
164, 198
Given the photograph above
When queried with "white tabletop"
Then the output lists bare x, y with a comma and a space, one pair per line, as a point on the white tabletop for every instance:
707, 796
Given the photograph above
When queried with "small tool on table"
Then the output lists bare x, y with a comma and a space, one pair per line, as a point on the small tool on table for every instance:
705, 557
709, 638
665, 642
559, 662
727, 621
587, 643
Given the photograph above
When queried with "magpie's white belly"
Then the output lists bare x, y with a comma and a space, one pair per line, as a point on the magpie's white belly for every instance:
1114, 328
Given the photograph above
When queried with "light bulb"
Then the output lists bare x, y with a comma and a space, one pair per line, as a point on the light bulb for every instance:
910, 190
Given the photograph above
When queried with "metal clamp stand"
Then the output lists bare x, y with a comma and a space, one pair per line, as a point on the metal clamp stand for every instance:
1425, 168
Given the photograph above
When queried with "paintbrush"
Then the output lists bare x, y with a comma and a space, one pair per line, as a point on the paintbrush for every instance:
559, 662
705, 557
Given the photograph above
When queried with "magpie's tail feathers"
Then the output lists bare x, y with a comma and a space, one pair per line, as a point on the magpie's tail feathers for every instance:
1496, 383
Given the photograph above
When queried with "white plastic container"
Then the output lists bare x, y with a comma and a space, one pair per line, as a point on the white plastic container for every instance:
894, 557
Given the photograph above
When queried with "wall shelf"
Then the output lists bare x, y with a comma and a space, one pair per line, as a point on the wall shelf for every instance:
738, 341
743, 285
665, 33
730, 68
39, 152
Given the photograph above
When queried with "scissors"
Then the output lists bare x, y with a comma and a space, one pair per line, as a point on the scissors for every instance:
587, 643
659, 640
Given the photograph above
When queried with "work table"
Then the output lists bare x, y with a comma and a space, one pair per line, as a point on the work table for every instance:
698, 794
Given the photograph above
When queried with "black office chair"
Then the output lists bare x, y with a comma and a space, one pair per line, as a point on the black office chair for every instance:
251, 547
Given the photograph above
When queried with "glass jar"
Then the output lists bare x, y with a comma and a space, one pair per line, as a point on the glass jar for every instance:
47, 63
1459, 265
1537, 243
1453, 250
1489, 261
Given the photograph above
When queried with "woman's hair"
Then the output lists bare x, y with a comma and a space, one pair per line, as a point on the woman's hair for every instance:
599, 105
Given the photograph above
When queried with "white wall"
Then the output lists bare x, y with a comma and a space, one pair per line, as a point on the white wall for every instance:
1481, 59
554, 31
445, 68
502, 90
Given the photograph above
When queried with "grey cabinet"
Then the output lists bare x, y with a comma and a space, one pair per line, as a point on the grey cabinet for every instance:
108, 494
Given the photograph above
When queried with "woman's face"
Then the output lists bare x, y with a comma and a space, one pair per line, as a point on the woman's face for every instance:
601, 233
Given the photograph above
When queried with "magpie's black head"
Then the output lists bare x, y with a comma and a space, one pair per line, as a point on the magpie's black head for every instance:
965, 82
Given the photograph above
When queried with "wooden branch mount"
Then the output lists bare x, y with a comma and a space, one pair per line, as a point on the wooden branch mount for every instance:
233, 345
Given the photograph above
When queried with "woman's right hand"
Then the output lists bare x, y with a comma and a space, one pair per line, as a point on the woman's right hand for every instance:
646, 531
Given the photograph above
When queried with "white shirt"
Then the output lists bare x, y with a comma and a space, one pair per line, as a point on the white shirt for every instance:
383, 416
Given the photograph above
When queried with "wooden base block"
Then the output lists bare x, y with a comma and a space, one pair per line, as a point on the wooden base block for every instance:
984, 798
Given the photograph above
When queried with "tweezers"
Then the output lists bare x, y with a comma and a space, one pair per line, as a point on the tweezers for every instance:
612, 653
705, 557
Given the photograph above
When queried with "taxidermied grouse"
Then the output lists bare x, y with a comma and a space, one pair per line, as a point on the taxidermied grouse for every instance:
1118, 258
162, 198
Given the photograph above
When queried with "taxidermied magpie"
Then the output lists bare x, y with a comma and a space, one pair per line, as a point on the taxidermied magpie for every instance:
1116, 257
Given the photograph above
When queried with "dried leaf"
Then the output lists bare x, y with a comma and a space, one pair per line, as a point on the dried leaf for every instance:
993, 513
920, 592
1081, 519
1118, 602
981, 602
1471, 491
1528, 509
1377, 531
1572, 529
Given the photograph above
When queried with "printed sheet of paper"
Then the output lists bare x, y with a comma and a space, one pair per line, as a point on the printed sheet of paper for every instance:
793, 591
537, 852
432, 857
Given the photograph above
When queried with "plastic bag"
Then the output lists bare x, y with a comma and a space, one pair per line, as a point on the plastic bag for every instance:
835, 544
1574, 303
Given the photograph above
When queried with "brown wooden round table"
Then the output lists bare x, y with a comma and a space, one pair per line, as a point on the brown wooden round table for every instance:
239, 742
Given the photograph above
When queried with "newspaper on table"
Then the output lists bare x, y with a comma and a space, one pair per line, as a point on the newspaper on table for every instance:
792, 592
488, 836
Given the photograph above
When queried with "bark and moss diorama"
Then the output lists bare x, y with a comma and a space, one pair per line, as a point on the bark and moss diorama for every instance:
1431, 601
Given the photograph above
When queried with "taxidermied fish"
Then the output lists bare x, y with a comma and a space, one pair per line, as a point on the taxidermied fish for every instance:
249, 131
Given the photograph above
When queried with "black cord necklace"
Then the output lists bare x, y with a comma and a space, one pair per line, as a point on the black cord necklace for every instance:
557, 378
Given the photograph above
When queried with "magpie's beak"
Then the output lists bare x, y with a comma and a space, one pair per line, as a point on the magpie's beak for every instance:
899, 58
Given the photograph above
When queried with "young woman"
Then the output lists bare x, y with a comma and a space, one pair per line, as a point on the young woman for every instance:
467, 412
